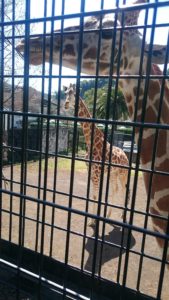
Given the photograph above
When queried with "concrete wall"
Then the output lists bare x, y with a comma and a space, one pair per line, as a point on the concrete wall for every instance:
62, 141
33, 142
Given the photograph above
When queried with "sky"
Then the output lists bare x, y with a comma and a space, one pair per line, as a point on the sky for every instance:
73, 6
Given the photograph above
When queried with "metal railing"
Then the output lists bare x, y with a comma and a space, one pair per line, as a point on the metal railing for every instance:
47, 251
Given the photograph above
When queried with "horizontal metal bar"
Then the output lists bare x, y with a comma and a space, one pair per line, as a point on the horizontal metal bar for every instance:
76, 31
144, 77
97, 121
121, 9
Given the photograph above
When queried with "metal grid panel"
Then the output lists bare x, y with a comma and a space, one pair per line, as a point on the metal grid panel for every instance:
47, 202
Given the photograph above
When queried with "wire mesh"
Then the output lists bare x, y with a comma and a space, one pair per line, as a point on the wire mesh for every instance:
60, 161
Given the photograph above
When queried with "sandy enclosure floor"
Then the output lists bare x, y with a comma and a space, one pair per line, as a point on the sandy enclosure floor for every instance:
109, 258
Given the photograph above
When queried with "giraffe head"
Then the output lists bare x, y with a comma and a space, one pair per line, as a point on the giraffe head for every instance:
70, 96
66, 46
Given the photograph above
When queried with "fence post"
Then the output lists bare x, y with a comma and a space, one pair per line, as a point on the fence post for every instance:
1, 106
0, 46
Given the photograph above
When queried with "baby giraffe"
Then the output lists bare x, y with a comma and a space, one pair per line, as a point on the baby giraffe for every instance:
117, 173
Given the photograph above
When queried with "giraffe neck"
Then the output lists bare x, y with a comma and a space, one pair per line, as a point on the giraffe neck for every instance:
160, 184
88, 127
130, 91
83, 111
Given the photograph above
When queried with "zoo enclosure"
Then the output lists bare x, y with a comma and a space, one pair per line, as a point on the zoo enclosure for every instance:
28, 268
13, 129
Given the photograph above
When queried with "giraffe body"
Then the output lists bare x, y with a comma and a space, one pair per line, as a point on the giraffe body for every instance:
130, 61
118, 174
159, 204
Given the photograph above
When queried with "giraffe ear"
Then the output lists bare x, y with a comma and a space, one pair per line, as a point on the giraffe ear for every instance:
158, 53
64, 88
131, 16
74, 86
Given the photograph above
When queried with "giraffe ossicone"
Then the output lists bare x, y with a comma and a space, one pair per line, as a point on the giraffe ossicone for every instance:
143, 98
118, 174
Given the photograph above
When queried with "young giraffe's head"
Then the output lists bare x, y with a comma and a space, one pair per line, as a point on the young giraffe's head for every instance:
131, 45
70, 96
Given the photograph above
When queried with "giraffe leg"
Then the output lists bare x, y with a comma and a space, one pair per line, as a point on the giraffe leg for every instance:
95, 177
92, 221
114, 186
123, 182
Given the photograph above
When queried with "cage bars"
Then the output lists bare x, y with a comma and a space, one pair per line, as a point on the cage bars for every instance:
1, 102
42, 199
79, 61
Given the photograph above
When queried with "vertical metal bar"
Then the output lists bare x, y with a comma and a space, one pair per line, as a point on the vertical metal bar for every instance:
1, 101
91, 149
163, 82
57, 129
40, 237
107, 114
24, 128
130, 159
46, 148
139, 144
163, 263
41, 129
138, 90
92, 134
12, 121
148, 200
103, 154
79, 61
135, 117
22, 205
109, 91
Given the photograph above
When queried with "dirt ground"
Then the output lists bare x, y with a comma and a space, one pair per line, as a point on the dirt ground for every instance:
109, 258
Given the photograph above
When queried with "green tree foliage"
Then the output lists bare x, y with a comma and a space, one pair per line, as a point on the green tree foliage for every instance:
113, 108
87, 85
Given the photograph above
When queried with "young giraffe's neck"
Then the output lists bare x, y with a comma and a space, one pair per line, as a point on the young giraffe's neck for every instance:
87, 127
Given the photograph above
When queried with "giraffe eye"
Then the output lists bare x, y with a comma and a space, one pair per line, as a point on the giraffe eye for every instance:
107, 34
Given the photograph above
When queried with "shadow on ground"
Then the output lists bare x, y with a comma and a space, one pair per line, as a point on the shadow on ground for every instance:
114, 246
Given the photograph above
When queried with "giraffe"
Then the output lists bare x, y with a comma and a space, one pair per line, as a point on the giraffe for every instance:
128, 54
118, 174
